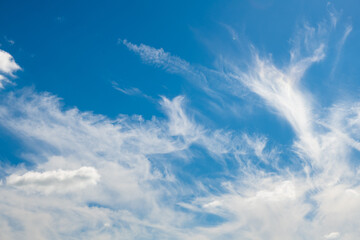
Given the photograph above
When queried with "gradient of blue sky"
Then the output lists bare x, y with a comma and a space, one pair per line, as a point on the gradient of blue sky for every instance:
179, 119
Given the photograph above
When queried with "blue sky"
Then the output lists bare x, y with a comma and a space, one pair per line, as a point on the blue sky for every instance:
179, 119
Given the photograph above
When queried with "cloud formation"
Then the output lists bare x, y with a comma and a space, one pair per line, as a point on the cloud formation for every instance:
147, 189
323, 146
55, 181
8, 67
128, 153
169, 62
159, 57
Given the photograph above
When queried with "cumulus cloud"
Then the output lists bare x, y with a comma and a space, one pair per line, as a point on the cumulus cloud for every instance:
8, 67
55, 181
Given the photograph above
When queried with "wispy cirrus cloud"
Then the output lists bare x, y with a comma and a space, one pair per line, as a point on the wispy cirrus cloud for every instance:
170, 63
131, 194
325, 157
323, 145
159, 57
340, 45
131, 91
116, 150
138, 188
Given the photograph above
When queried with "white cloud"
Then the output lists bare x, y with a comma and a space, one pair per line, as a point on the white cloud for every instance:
347, 31
131, 91
320, 196
307, 201
159, 57
281, 91
179, 123
118, 149
334, 14
140, 195
168, 62
7, 67
333, 235
55, 181
339, 48
231, 31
